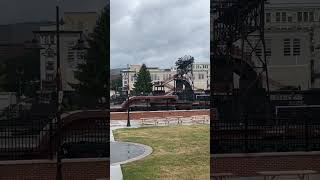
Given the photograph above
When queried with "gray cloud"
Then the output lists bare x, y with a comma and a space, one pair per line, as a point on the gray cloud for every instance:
14, 11
157, 32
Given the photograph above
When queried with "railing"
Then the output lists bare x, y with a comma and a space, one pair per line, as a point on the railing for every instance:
277, 135
21, 139
36, 138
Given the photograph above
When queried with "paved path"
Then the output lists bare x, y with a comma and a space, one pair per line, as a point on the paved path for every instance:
121, 152
115, 170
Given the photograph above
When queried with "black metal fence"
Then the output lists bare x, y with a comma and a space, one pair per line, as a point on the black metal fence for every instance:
300, 132
35, 137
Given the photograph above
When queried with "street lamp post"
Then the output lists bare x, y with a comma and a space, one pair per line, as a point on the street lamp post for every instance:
208, 79
58, 98
59, 93
128, 100
79, 46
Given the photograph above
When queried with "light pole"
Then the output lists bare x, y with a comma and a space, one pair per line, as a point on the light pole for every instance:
58, 99
207, 79
79, 46
128, 100
59, 93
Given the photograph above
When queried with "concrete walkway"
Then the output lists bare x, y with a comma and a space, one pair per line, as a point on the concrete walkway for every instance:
115, 170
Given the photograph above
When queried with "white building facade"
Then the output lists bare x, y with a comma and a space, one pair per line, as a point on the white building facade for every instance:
201, 76
292, 35
75, 23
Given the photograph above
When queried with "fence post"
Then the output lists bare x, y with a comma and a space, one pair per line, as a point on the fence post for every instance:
246, 133
306, 131
50, 140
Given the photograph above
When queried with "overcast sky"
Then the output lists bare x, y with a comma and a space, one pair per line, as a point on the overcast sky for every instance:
157, 32
13, 11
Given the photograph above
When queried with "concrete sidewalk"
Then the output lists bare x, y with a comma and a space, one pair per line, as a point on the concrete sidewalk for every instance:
115, 170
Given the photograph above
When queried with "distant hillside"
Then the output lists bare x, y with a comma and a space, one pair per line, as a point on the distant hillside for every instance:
115, 73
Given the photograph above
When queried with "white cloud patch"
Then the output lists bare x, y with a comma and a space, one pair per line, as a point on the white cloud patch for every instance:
157, 32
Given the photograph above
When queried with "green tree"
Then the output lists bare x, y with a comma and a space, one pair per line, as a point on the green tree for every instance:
21, 74
92, 74
143, 85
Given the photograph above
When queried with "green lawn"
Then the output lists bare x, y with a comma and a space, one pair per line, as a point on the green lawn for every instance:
179, 152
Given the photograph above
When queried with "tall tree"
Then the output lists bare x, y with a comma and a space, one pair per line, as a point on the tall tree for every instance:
143, 85
21, 74
92, 74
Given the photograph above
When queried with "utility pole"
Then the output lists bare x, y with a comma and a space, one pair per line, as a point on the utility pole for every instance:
58, 99
128, 99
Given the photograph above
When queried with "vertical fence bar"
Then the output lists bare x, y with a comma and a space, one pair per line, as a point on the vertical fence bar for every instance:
306, 131
50, 140
246, 134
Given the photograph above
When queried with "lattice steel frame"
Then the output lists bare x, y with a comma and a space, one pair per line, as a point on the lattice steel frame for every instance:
238, 21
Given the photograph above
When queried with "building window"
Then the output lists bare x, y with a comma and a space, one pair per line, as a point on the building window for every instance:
290, 19
46, 39
311, 16
277, 16
268, 17
71, 55
299, 16
49, 77
201, 76
286, 47
284, 17
80, 55
50, 65
125, 82
52, 38
305, 17
296, 47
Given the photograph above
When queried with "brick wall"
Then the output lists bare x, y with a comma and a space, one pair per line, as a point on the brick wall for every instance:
246, 165
148, 114
78, 169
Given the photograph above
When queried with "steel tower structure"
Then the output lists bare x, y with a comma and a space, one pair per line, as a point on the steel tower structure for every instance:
238, 47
